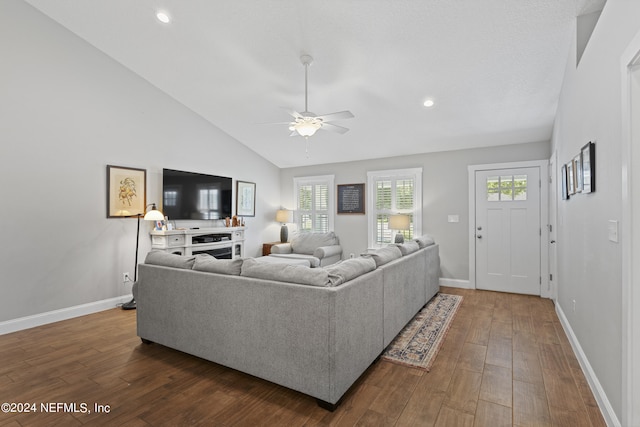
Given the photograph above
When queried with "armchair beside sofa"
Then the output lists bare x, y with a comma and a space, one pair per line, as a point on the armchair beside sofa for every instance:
320, 249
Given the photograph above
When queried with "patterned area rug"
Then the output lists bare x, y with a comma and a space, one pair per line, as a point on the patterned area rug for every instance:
417, 345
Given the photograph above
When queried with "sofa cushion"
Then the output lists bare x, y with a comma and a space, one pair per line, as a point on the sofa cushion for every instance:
349, 269
307, 243
210, 264
409, 247
385, 255
285, 273
424, 241
170, 260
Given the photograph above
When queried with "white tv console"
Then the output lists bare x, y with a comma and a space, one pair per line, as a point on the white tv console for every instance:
221, 242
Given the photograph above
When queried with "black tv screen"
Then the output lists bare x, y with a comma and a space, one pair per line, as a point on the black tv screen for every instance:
195, 196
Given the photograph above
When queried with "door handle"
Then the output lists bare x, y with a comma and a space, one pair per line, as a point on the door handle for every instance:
553, 241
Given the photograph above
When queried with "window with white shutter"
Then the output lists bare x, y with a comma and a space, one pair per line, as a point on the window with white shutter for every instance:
314, 203
394, 192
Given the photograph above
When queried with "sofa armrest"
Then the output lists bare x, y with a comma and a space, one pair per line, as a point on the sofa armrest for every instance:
281, 248
327, 251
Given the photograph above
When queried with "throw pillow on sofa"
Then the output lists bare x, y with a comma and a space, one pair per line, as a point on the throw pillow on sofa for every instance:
299, 274
409, 247
169, 260
385, 255
210, 264
349, 269
424, 241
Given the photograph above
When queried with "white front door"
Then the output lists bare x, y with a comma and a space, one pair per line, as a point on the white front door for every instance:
507, 230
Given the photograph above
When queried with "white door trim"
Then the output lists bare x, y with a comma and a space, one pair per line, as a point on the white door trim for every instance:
552, 219
545, 292
630, 61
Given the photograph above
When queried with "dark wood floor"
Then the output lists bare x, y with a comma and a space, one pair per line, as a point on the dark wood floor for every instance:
506, 361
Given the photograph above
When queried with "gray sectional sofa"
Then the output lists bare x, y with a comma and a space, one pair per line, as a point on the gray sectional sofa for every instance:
314, 330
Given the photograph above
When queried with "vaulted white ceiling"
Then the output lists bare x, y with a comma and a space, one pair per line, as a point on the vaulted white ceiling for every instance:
493, 67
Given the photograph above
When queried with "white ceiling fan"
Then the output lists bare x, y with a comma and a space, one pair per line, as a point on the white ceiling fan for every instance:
307, 123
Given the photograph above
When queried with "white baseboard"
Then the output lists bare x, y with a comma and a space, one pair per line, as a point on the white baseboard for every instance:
596, 388
455, 283
27, 322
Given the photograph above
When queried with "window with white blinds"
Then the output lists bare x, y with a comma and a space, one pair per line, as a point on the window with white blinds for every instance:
394, 192
314, 203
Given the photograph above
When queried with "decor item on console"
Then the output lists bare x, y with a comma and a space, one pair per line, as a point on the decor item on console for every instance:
313, 330
126, 191
399, 223
284, 216
152, 215
245, 198
319, 248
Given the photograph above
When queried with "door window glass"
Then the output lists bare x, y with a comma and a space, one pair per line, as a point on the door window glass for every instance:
507, 188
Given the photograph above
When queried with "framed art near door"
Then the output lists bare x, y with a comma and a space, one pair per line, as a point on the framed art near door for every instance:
565, 189
588, 154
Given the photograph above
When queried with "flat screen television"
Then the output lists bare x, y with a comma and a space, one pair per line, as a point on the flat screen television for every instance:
195, 196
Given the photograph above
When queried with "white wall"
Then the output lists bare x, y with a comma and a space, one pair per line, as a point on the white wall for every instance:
589, 264
66, 111
445, 191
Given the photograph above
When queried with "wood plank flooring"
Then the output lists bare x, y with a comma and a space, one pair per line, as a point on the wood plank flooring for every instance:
506, 361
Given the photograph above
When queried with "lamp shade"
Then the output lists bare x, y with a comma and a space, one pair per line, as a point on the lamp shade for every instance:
154, 214
399, 222
284, 216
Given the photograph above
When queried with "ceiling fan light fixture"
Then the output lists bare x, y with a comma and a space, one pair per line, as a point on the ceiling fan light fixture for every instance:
306, 128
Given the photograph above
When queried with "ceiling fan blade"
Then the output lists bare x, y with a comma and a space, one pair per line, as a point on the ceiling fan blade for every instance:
340, 115
334, 128
293, 113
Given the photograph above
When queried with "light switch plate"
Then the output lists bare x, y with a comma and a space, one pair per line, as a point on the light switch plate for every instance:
613, 231
453, 218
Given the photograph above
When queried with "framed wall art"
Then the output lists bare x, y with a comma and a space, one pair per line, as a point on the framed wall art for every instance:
565, 189
245, 198
351, 199
126, 191
577, 173
588, 154
571, 188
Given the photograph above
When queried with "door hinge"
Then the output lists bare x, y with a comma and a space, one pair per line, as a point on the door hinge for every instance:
551, 277
541, 280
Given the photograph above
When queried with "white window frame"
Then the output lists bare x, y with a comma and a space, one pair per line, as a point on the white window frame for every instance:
313, 180
394, 174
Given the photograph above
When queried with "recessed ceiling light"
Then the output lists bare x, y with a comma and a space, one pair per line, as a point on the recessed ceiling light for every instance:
163, 17
429, 103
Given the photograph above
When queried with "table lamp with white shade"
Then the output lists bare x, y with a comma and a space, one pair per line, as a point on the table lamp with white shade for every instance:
284, 216
399, 223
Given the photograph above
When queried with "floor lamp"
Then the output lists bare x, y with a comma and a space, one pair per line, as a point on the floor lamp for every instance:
152, 215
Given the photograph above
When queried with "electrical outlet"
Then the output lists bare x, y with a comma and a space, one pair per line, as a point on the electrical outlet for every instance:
126, 278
